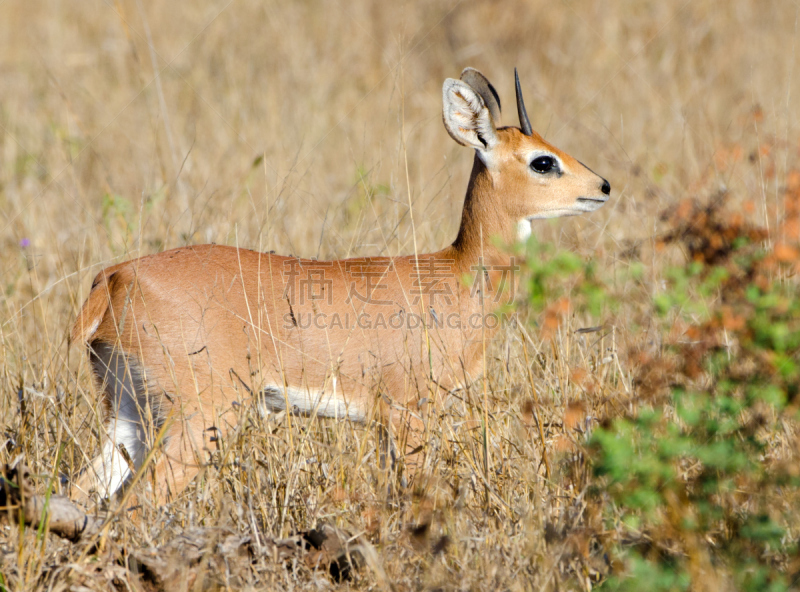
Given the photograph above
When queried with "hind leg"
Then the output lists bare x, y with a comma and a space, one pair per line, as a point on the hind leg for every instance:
128, 425
406, 437
176, 462
109, 471
180, 458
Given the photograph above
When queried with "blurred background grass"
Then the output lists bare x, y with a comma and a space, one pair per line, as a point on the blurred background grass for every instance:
306, 127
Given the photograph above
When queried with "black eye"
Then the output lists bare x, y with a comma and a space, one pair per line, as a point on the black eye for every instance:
543, 164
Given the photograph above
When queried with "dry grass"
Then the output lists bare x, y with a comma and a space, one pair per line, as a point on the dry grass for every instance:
293, 126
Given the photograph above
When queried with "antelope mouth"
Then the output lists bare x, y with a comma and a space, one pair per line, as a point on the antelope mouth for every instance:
582, 205
590, 204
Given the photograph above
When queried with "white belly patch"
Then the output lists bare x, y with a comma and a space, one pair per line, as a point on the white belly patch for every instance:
310, 402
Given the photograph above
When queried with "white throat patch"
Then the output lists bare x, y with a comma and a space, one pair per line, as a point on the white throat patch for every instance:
523, 229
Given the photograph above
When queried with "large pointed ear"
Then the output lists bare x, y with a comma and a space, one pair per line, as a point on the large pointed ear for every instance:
466, 116
484, 88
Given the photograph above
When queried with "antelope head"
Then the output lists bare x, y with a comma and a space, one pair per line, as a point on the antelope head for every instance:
518, 176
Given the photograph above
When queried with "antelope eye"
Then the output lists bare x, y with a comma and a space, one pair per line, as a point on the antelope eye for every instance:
543, 164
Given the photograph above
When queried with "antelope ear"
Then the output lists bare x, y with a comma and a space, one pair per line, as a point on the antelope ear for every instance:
467, 118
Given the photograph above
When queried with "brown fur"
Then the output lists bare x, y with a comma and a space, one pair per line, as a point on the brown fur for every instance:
211, 325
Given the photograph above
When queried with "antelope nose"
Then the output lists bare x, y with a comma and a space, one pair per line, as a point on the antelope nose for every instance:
606, 188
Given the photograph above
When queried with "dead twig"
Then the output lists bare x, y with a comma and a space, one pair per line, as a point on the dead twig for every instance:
57, 512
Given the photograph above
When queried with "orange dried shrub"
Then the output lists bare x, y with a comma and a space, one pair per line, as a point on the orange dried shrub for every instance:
789, 228
707, 231
583, 379
652, 375
553, 315
562, 444
575, 416
785, 253
727, 155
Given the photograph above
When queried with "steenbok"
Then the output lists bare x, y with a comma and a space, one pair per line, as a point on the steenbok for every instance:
179, 339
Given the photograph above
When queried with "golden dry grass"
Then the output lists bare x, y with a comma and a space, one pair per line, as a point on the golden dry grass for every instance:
307, 127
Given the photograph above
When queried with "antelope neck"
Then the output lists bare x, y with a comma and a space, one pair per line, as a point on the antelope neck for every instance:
483, 221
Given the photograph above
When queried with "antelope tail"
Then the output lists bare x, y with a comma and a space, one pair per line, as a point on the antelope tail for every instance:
93, 310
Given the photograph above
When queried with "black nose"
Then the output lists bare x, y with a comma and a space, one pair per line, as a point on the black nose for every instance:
606, 188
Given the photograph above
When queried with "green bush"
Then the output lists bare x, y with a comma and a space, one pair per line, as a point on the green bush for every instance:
697, 480
701, 480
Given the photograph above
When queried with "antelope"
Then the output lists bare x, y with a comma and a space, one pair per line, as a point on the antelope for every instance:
179, 340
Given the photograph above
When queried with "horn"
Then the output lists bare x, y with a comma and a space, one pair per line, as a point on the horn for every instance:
484, 88
524, 122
